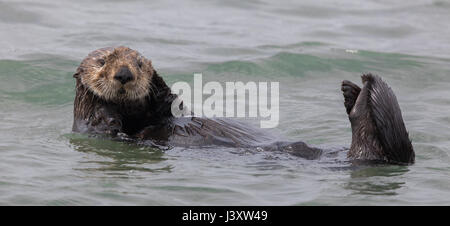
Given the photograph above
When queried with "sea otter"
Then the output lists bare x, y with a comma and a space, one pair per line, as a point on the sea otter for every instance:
120, 94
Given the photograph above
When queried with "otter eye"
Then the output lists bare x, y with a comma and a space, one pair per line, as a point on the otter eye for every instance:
101, 62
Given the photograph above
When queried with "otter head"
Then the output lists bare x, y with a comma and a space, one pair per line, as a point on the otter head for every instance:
117, 74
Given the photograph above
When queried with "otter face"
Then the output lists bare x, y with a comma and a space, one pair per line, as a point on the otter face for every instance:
116, 74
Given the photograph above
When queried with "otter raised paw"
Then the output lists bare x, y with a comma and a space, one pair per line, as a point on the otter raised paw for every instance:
378, 130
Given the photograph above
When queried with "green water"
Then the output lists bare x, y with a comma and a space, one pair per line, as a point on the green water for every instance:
309, 47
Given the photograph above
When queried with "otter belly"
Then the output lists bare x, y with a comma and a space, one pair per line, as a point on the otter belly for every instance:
197, 132
207, 132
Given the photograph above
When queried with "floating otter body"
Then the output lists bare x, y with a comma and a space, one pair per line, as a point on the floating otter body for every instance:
120, 94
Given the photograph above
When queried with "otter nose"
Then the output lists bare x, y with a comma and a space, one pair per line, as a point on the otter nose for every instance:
123, 75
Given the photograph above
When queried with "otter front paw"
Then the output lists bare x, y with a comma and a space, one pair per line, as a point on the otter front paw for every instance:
113, 126
105, 122
350, 91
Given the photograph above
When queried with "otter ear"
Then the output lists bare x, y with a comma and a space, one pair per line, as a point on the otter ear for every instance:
78, 73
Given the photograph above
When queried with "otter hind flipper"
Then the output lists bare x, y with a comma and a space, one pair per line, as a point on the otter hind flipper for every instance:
387, 116
378, 130
350, 91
